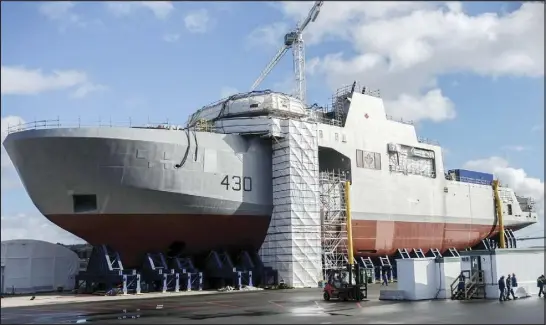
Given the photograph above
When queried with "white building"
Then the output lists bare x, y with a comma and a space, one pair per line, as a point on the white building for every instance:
29, 266
431, 278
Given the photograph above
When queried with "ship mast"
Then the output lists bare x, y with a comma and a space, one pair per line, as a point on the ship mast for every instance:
294, 40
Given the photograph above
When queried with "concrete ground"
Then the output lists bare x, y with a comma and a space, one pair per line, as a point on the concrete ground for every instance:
302, 306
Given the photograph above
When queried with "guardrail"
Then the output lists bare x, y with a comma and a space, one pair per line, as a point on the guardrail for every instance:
399, 120
57, 123
428, 141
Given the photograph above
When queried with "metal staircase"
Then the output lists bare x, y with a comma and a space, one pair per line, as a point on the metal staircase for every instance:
474, 287
333, 221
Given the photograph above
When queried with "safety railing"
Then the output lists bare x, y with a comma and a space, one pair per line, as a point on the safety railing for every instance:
428, 141
79, 123
399, 120
473, 286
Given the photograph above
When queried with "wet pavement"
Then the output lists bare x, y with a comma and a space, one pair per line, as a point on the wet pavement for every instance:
303, 306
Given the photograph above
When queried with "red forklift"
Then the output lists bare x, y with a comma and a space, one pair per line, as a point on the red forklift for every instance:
349, 284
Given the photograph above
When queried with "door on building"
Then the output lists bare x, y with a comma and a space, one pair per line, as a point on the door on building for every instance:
475, 265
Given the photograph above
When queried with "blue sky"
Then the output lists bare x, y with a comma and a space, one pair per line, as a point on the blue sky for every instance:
471, 75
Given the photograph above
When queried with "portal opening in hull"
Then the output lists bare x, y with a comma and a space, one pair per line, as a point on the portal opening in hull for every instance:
84, 203
334, 161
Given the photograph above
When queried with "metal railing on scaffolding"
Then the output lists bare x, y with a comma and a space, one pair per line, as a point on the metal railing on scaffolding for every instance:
333, 221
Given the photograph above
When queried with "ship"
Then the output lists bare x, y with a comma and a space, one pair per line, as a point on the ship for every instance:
240, 166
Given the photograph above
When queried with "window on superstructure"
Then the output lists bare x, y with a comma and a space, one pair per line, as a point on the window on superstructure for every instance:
510, 209
320, 133
337, 137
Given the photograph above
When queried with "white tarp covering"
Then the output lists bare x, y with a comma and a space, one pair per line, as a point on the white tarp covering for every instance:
31, 266
251, 104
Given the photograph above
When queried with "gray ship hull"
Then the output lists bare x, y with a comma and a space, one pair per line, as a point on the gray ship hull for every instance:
142, 201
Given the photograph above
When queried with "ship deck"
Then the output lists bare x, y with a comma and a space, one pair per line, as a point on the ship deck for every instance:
302, 306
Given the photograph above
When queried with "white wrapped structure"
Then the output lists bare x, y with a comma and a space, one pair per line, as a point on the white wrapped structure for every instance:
30, 266
257, 103
293, 242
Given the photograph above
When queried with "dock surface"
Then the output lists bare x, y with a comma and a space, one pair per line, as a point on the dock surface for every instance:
301, 306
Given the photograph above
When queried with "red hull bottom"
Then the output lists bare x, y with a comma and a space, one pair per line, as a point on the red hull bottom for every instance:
135, 235
380, 238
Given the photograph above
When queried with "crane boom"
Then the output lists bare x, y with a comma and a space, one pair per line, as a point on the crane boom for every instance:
293, 40
270, 66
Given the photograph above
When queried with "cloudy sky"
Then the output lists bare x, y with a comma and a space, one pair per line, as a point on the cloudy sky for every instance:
470, 74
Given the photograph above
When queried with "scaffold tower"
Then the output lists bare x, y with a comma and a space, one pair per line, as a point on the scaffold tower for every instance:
333, 221
292, 245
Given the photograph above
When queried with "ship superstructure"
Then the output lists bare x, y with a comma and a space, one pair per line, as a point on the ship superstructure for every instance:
260, 170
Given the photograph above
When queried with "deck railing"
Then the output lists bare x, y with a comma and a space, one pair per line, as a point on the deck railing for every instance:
79, 123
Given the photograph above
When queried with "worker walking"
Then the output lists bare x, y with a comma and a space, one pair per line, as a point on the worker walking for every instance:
461, 285
502, 286
540, 285
385, 277
514, 284
508, 287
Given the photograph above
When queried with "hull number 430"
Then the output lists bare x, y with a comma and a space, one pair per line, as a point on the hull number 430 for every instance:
237, 183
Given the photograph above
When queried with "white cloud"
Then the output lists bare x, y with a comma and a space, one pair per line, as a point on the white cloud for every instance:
198, 21
160, 9
88, 88
171, 38
515, 178
537, 128
433, 105
267, 36
35, 226
517, 148
18, 80
63, 13
228, 91
402, 47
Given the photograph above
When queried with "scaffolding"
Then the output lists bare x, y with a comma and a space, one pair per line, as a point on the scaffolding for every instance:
333, 221
292, 245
